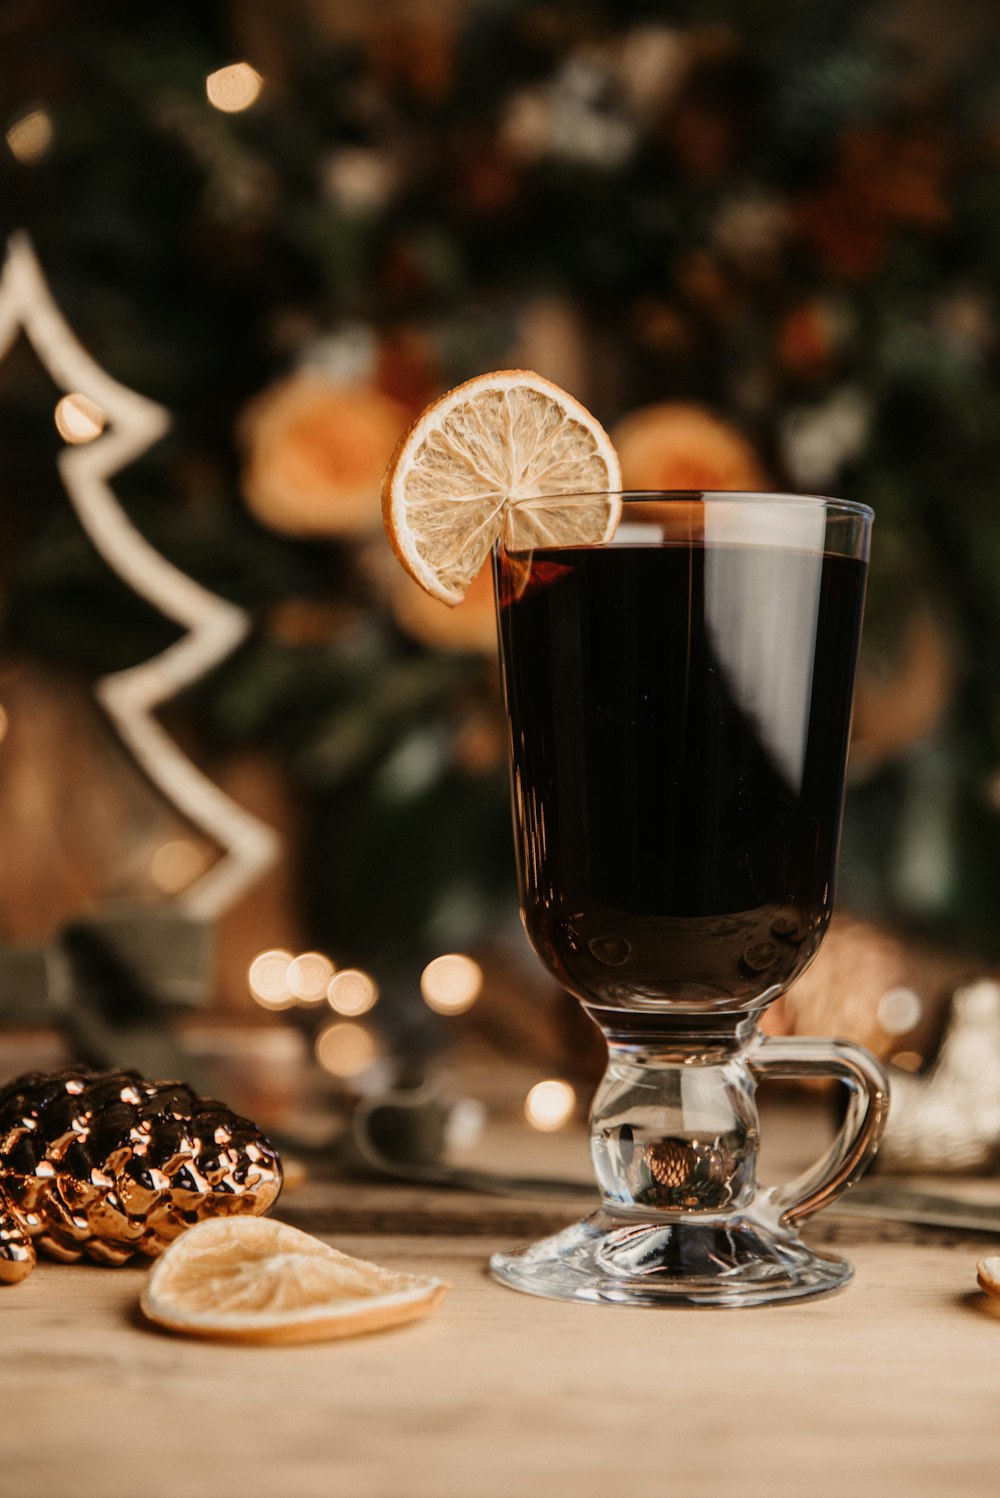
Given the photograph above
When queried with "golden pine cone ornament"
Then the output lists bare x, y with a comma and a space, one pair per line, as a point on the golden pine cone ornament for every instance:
107, 1165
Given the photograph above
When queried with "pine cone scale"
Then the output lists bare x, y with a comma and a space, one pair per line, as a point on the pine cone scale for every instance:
109, 1165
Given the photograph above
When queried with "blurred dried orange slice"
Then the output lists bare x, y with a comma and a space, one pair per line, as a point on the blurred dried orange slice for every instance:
250, 1279
506, 453
988, 1275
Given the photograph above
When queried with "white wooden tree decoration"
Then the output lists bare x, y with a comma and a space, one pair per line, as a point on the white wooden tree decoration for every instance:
126, 424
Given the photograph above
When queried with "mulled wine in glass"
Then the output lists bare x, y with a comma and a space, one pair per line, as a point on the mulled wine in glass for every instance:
679, 702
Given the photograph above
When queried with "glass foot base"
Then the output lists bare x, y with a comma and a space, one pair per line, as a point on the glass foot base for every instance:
737, 1261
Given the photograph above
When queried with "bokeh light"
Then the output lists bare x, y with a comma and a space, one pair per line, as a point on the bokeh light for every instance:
30, 138
308, 976
451, 984
549, 1105
268, 978
899, 1011
352, 992
4, 723
234, 87
79, 419
176, 864
344, 1049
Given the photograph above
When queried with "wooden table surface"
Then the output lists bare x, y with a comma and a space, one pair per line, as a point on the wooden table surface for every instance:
891, 1387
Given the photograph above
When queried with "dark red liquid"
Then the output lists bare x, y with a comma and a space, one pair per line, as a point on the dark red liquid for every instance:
679, 721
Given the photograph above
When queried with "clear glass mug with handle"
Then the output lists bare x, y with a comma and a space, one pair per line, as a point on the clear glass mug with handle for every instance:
678, 704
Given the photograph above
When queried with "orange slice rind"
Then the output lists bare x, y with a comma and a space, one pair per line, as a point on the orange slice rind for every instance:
251, 1279
507, 453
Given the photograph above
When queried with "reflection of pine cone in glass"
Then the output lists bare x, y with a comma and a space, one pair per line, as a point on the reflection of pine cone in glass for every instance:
689, 1174
109, 1165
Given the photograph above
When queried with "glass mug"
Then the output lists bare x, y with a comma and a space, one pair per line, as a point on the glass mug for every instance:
678, 702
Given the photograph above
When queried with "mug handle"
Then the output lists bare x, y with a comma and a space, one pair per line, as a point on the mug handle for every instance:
864, 1120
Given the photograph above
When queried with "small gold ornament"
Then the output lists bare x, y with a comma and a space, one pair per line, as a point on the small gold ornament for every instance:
107, 1165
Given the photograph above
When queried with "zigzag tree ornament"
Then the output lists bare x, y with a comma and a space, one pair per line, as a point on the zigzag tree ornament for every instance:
213, 626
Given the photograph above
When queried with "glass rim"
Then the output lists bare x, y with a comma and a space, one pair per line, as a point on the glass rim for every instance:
826, 502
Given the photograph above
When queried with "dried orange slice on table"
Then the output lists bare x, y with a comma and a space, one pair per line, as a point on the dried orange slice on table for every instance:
506, 453
250, 1279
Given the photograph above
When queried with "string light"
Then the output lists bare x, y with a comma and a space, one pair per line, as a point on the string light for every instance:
234, 88
79, 419
268, 979
352, 992
451, 984
30, 138
344, 1049
308, 976
549, 1105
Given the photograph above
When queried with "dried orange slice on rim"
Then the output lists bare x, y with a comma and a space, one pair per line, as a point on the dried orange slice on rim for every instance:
506, 453
250, 1279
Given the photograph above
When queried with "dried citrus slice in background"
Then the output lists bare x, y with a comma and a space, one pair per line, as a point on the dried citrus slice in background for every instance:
506, 452
252, 1279
988, 1275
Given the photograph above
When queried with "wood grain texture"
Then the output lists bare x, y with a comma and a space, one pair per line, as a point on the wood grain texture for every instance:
890, 1388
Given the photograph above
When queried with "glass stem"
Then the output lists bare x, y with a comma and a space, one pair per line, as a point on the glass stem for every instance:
674, 1126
